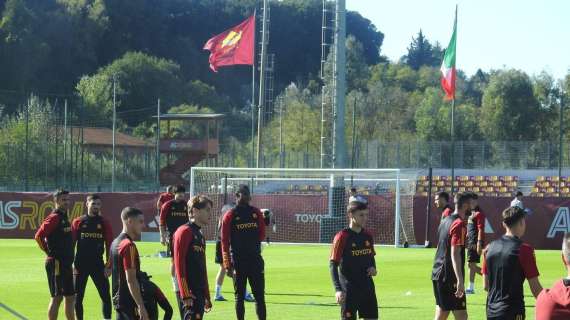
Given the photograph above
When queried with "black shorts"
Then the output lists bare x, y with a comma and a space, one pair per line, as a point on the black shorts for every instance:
473, 256
445, 298
218, 259
127, 314
196, 312
520, 316
359, 301
60, 278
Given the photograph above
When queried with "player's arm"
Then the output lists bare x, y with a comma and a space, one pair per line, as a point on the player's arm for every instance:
260, 225
47, 227
372, 272
457, 268
159, 203
164, 212
481, 233
530, 270
75, 230
334, 261
484, 271
164, 304
226, 234
457, 241
132, 281
108, 236
182, 238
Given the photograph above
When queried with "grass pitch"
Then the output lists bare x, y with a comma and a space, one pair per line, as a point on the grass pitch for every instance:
298, 285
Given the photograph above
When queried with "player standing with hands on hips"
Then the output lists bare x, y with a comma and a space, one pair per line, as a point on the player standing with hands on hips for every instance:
353, 251
243, 229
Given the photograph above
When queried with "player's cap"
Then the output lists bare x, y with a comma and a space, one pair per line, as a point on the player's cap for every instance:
357, 199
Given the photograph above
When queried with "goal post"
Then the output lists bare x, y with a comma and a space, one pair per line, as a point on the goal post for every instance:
309, 205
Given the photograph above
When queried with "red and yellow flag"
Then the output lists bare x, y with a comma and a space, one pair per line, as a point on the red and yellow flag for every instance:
233, 46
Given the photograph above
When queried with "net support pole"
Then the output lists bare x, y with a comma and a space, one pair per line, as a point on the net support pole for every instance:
428, 209
192, 182
397, 219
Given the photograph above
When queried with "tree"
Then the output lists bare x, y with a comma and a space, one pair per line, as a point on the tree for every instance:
510, 109
421, 53
356, 69
141, 81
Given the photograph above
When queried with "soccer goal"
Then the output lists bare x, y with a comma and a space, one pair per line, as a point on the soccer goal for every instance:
309, 205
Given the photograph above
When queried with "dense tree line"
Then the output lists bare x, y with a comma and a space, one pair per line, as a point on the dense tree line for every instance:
153, 50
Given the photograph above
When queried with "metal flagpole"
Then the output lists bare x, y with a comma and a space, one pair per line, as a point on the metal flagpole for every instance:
253, 93
114, 129
453, 145
157, 159
560, 146
261, 101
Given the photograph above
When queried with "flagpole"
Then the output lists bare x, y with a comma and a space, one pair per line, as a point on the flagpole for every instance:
261, 101
560, 137
453, 112
453, 145
253, 93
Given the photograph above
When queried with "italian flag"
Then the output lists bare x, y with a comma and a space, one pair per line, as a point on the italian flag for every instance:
448, 71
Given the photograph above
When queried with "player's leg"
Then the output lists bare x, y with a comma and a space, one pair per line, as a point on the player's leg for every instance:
348, 308
367, 303
81, 277
103, 288
257, 284
219, 282
439, 294
473, 259
441, 314
68, 291
56, 298
53, 307
69, 304
460, 314
240, 279
221, 272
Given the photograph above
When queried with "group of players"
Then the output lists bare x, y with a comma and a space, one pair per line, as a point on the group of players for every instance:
75, 252
506, 263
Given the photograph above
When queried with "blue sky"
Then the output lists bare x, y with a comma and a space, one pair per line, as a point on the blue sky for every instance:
528, 35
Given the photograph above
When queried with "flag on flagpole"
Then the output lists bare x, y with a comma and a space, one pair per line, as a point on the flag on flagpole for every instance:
448, 71
233, 46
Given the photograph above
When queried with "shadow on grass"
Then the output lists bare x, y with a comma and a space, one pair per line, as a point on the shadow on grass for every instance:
310, 304
297, 294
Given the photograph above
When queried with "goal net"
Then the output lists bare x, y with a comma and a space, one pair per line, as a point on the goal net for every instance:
309, 205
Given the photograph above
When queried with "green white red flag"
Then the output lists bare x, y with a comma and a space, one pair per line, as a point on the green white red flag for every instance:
448, 70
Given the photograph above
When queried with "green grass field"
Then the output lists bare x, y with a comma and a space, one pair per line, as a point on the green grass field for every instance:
297, 283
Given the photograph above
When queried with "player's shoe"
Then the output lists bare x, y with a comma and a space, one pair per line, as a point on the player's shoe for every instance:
470, 291
249, 298
220, 298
